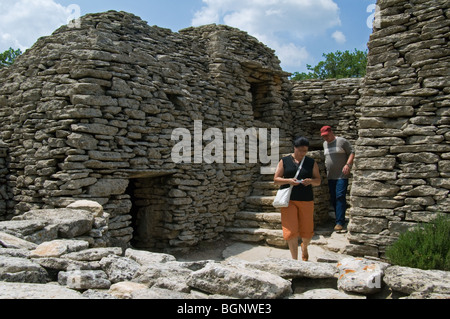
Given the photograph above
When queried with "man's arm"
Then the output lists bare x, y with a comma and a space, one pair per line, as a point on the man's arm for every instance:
348, 167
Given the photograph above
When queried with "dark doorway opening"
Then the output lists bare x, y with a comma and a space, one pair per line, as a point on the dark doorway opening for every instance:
259, 91
150, 211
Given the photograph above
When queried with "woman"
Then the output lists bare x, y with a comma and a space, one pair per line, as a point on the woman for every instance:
297, 220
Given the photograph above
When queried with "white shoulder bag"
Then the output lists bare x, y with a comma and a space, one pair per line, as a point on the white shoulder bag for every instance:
284, 195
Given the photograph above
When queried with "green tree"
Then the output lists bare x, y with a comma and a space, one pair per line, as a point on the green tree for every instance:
337, 65
9, 56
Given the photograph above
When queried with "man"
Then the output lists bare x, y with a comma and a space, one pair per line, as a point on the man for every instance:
339, 157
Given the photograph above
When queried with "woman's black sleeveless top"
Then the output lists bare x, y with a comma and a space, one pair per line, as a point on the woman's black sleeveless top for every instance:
299, 193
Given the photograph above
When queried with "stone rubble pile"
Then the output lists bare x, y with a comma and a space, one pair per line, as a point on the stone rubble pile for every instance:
35, 266
83, 220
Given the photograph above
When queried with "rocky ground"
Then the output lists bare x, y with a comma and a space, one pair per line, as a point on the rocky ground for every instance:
68, 268
325, 243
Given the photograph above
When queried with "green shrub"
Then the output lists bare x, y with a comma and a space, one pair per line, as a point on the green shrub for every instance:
425, 247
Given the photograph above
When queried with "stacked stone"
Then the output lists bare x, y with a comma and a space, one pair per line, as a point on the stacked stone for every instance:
81, 220
34, 267
316, 103
89, 111
402, 166
322, 205
4, 196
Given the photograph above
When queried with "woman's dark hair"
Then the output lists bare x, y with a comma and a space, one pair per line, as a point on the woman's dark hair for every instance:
301, 141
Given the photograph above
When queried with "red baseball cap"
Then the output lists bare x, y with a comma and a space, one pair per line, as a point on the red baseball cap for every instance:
325, 130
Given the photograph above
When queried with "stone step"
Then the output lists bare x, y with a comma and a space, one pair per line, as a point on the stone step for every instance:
272, 237
266, 178
260, 200
273, 218
258, 220
265, 185
265, 188
264, 192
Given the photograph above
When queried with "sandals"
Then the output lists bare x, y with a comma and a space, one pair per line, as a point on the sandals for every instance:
305, 255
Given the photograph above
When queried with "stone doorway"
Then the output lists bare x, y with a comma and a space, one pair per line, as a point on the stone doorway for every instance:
259, 91
265, 89
150, 210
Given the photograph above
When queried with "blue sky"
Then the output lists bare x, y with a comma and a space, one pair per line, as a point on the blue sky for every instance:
300, 31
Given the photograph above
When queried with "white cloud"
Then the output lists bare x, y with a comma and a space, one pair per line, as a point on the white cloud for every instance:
277, 23
24, 21
339, 37
291, 54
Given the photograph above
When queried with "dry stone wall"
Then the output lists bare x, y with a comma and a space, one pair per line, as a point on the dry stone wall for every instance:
4, 196
89, 112
402, 165
316, 103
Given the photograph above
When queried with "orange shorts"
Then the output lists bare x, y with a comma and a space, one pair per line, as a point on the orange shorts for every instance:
297, 220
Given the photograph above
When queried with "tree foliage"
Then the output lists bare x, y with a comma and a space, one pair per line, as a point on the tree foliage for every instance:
337, 65
9, 56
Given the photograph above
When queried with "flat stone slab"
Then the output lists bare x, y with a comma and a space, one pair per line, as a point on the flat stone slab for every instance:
10, 241
84, 279
13, 269
57, 248
71, 222
412, 280
289, 269
326, 294
36, 231
360, 275
36, 291
239, 282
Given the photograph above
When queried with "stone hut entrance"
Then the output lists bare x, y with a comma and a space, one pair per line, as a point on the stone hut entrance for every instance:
265, 88
148, 192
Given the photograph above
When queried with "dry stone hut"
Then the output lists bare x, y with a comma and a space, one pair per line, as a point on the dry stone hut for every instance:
90, 113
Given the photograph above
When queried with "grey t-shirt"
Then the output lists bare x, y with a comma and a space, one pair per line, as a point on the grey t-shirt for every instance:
336, 156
